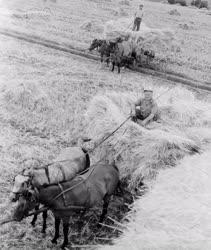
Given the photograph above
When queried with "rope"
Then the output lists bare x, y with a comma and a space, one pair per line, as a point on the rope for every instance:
128, 26
110, 134
164, 92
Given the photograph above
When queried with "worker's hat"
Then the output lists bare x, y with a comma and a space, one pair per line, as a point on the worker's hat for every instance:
148, 90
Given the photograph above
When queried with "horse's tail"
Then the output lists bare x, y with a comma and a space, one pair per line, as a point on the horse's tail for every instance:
87, 158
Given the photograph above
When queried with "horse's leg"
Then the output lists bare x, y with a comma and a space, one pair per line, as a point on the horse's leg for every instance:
101, 61
118, 65
119, 190
106, 200
113, 64
44, 226
65, 231
134, 62
80, 223
35, 216
107, 60
56, 235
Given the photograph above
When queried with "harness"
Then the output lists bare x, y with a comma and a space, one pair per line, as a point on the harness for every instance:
47, 173
65, 191
70, 188
62, 193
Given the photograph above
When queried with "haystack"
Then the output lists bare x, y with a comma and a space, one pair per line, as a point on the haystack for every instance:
175, 214
141, 152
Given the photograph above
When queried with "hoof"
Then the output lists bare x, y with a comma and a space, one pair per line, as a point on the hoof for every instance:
63, 246
43, 232
33, 224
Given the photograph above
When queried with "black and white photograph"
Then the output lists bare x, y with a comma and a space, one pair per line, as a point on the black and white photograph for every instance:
105, 124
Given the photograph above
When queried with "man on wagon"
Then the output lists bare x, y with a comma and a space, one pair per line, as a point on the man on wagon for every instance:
138, 18
145, 109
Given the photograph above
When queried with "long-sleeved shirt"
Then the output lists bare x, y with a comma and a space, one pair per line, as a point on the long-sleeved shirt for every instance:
147, 107
139, 14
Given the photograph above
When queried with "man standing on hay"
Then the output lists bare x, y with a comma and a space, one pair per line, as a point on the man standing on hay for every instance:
145, 109
138, 18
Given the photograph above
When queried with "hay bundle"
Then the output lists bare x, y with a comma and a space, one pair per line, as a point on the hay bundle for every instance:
175, 214
32, 98
70, 161
141, 152
91, 26
174, 12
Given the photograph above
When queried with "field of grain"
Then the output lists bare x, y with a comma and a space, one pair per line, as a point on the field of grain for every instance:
45, 94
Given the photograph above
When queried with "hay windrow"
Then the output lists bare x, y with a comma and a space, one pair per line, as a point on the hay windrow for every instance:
175, 214
141, 152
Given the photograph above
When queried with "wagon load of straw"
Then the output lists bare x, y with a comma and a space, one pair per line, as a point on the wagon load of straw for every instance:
158, 40
139, 152
70, 161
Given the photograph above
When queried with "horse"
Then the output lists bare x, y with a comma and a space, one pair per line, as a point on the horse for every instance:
70, 162
123, 54
149, 54
83, 192
104, 48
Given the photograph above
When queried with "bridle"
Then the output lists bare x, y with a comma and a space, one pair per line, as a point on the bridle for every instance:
29, 197
27, 184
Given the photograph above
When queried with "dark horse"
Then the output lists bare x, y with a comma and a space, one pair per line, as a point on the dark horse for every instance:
148, 54
105, 48
118, 57
83, 192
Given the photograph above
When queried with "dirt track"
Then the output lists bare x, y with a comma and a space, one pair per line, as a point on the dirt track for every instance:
70, 49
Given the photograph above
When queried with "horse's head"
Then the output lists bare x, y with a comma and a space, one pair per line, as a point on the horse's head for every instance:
149, 53
95, 44
119, 40
27, 202
152, 54
21, 183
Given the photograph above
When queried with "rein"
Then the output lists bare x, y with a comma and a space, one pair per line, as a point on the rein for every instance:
90, 151
70, 188
44, 208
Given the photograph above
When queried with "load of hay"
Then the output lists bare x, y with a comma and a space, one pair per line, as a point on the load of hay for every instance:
175, 214
158, 40
140, 152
